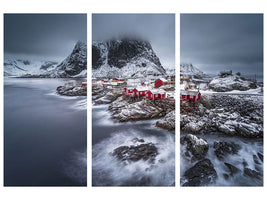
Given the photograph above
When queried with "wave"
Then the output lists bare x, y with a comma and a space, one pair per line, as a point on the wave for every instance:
107, 170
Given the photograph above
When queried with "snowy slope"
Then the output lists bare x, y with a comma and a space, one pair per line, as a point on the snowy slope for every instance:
189, 69
20, 67
74, 65
126, 57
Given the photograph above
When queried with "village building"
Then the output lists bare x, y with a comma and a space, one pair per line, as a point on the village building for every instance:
156, 94
84, 84
128, 91
161, 81
140, 91
191, 95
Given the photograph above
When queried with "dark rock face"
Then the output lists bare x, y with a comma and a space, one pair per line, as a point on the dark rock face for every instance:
120, 52
256, 160
233, 169
71, 91
253, 175
222, 149
147, 151
260, 155
96, 57
47, 64
201, 174
197, 146
75, 62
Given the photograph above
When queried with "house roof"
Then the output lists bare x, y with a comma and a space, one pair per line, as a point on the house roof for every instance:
163, 79
160, 91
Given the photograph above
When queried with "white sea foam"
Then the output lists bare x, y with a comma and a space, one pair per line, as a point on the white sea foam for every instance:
248, 149
107, 170
75, 166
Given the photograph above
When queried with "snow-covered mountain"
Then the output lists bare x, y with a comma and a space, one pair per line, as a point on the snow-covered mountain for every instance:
20, 67
170, 71
125, 57
188, 69
75, 65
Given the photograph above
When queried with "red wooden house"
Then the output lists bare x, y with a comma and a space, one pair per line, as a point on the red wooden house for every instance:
105, 81
161, 81
155, 94
128, 91
140, 91
84, 84
190, 95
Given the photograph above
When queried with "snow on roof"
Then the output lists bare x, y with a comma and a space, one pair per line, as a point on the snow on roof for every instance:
141, 88
163, 79
160, 91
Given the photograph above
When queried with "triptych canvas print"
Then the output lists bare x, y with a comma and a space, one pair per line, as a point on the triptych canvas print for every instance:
133, 80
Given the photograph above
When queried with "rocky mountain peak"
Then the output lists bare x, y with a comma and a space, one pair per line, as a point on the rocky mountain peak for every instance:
121, 53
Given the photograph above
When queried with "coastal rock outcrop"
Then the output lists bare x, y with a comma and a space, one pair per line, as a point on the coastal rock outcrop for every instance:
198, 147
144, 151
201, 174
167, 122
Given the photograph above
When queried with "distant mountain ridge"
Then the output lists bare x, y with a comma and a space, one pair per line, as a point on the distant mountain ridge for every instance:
75, 65
190, 69
125, 57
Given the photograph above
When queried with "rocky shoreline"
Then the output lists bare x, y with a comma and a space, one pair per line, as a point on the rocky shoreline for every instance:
202, 172
72, 91
230, 114
125, 109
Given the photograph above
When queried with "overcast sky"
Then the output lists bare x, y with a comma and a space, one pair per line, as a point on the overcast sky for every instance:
214, 42
43, 35
159, 29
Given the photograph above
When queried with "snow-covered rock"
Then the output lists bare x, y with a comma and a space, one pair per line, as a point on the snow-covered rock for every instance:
231, 82
135, 111
168, 122
229, 114
197, 146
72, 90
125, 57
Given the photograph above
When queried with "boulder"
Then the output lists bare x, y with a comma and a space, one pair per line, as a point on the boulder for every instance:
197, 146
222, 149
168, 122
72, 91
233, 169
201, 174
260, 155
145, 151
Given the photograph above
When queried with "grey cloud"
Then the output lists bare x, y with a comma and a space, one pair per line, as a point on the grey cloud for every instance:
159, 29
43, 34
217, 41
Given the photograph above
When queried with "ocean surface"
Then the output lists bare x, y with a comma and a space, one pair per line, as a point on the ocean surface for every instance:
108, 135
45, 137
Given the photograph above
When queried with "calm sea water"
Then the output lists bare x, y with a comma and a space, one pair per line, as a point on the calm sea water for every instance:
44, 134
